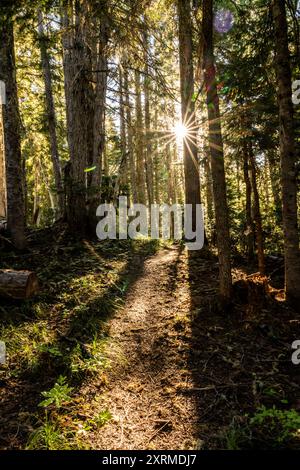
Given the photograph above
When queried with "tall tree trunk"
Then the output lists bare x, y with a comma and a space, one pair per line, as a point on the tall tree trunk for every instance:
123, 137
275, 184
73, 62
217, 154
249, 221
139, 142
122, 175
132, 167
287, 154
250, 228
36, 196
208, 191
2, 170
148, 146
256, 211
12, 140
156, 161
99, 115
191, 164
51, 116
77, 62
170, 173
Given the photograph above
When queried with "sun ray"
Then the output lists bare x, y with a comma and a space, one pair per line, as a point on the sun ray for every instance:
216, 146
164, 145
192, 156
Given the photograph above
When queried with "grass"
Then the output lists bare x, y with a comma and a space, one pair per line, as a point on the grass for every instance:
51, 434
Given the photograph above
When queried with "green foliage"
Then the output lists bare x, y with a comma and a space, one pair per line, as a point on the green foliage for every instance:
53, 435
58, 395
46, 437
280, 425
102, 418
237, 436
53, 350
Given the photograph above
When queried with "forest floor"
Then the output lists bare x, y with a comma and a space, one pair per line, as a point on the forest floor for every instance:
125, 348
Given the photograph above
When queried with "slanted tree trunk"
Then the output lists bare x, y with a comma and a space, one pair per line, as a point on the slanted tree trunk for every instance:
12, 140
216, 153
51, 117
191, 164
287, 154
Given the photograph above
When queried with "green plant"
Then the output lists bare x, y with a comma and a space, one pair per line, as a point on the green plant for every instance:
58, 395
46, 437
280, 424
51, 435
52, 350
102, 418
237, 436
271, 392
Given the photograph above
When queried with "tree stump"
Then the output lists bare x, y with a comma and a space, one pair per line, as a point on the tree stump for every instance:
18, 284
253, 290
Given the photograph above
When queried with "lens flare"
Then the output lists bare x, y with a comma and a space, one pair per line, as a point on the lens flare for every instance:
223, 21
181, 131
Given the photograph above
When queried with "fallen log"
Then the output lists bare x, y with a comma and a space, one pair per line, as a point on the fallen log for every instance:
18, 284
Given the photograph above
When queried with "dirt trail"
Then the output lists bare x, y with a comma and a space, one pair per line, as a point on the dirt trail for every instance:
148, 412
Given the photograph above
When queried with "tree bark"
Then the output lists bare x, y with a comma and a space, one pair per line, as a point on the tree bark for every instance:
287, 154
139, 142
124, 164
2, 171
209, 191
12, 139
132, 166
275, 184
51, 117
148, 147
217, 154
99, 116
18, 284
249, 221
191, 164
256, 212
73, 62
156, 161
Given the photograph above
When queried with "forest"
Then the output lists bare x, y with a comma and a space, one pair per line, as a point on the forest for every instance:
178, 120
